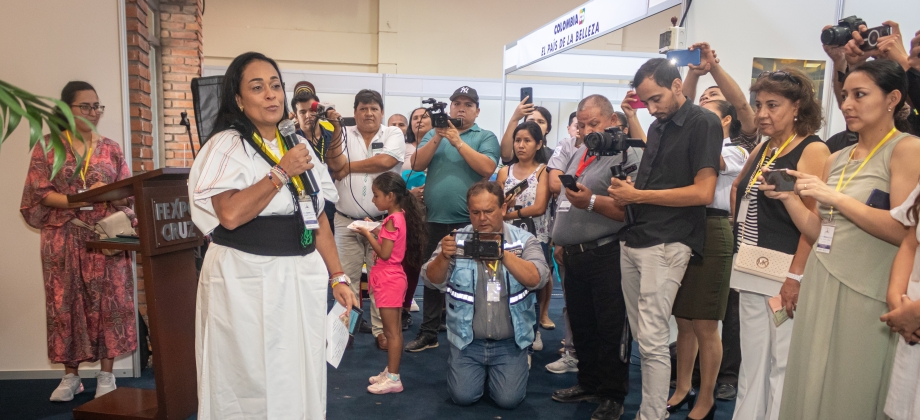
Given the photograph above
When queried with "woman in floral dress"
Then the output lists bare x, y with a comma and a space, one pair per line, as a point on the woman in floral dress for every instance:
89, 297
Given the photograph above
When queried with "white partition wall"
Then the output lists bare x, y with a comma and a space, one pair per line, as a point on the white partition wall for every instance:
42, 61
403, 93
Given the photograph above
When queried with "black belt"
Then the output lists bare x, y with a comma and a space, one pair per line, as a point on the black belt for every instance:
272, 236
373, 219
587, 246
710, 212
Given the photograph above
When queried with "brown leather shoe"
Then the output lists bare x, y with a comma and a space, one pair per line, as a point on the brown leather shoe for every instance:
382, 342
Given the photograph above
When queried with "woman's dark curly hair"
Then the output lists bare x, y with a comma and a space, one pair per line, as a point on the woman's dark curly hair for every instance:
798, 88
416, 227
229, 115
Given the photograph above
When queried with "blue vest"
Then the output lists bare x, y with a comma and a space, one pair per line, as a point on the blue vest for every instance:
461, 294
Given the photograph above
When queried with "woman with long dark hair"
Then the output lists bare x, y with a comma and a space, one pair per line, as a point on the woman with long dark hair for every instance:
260, 325
89, 295
840, 356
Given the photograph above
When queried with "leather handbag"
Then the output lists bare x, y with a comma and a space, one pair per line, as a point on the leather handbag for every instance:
115, 224
763, 262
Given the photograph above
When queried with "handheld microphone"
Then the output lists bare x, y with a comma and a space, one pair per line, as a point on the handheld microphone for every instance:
320, 108
289, 136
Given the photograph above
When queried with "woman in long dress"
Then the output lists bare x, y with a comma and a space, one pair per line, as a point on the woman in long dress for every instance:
89, 297
840, 356
260, 322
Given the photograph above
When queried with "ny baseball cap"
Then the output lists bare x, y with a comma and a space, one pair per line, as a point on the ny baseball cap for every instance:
466, 91
304, 86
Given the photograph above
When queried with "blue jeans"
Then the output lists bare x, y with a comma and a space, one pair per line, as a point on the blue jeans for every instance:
503, 361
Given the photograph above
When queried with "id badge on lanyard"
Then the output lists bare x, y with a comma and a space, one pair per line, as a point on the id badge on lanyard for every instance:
743, 209
309, 215
826, 237
494, 287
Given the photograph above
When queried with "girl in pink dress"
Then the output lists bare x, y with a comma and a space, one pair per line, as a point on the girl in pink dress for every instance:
401, 237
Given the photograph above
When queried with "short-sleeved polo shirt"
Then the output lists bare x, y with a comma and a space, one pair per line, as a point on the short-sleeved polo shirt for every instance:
449, 176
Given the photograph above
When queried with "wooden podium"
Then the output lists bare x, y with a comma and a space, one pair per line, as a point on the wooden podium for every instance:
167, 241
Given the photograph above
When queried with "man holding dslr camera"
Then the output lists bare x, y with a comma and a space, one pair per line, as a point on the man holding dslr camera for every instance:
667, 205
490, 313
456, 158
587, 222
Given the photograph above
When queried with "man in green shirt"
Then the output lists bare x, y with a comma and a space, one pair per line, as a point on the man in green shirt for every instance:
456, 158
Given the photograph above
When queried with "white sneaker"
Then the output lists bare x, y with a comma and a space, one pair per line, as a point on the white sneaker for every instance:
537, 342
69, 387
566, 363
413, 307
105, 383
380, 377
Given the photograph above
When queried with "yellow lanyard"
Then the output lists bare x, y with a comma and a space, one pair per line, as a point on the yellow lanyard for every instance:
840, 184
85, 158
761, 165
494, 267
258, 139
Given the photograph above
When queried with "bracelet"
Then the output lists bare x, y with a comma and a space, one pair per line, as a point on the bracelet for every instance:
282, 176
591, 204
272, 179
340, 278
336, 274
796, 277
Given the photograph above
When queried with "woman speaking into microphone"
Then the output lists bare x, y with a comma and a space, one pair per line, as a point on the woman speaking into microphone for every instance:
260, 323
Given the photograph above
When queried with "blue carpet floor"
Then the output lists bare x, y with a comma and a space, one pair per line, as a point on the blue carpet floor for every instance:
423, 374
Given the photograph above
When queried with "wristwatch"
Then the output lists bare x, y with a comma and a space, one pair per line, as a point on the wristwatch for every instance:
339, 278
796, 277
591, 203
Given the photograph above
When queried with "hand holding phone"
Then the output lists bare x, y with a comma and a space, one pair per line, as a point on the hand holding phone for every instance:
527, 93
636, 103
568, 181
781, 179
681, 58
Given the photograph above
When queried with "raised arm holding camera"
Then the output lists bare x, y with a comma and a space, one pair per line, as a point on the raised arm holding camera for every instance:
489, 270
726, 89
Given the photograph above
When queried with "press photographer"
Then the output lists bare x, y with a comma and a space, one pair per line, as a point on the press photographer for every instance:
488, 269
456, 157
587, 222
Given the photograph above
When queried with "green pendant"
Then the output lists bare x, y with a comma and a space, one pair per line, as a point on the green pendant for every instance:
307, 238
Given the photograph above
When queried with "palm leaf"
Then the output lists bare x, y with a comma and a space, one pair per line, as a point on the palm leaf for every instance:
17, 103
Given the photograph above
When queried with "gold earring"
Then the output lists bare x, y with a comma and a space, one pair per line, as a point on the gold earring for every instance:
241, 107
889, 109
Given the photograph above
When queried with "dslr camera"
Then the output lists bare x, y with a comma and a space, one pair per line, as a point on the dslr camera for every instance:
611, 142
474, 247
842, 33
438, 113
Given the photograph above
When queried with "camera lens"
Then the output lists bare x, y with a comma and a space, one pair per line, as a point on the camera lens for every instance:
593, 141
835, 35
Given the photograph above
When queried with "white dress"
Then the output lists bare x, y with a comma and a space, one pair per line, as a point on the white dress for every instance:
260, 321
903, 400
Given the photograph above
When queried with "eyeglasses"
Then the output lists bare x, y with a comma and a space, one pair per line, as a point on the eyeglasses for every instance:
86, 108
780, 76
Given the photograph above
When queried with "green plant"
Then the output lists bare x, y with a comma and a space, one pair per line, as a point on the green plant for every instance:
39, 111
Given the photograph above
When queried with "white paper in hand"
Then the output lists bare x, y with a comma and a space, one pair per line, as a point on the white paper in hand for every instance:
336, 335
363, 223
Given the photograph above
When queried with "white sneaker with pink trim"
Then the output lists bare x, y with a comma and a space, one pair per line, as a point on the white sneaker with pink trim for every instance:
386, 386
380, 377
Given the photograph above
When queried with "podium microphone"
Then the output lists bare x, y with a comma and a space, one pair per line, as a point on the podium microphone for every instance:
289, 137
